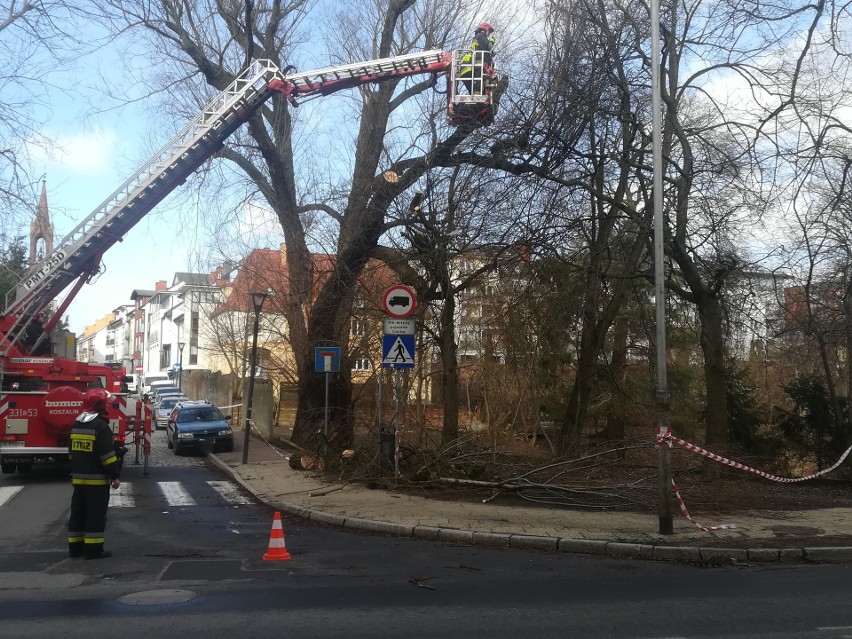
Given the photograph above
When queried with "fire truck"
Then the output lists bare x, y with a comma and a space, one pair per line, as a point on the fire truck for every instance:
41, 387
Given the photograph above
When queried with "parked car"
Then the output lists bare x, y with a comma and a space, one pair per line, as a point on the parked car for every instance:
163, 407
198, 425
166, 394
156, 391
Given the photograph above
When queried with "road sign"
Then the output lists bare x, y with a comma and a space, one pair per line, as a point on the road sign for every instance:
327, 359
398, 351
393, 326
398, 301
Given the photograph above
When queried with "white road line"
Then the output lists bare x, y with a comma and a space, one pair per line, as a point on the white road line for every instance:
175, 494
7, 492
229, 492
123, 497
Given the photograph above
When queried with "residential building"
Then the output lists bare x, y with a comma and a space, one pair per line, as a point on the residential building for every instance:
92, 342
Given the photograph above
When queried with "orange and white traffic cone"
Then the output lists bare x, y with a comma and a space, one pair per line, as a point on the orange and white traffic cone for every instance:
277, 549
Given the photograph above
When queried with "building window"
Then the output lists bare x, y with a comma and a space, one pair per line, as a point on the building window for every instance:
166, 356
359, 327
361, 363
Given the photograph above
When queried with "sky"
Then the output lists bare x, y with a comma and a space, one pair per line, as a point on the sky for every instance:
78, 180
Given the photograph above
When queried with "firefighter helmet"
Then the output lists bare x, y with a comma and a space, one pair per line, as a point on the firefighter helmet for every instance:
95, 400
485, 26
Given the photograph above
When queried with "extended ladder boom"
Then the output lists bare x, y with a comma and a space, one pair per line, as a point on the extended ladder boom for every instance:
326, 81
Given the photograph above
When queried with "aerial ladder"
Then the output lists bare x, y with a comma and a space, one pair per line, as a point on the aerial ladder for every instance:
40, 395
78, 255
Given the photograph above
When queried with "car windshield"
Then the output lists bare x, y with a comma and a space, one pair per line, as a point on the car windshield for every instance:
168, 403
200, 414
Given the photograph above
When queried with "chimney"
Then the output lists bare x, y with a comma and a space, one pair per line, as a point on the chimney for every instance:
161, 286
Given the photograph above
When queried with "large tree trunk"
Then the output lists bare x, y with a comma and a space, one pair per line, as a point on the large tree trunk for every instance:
449, 372
713, 346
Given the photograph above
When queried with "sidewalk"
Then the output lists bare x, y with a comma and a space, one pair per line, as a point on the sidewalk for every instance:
813, 535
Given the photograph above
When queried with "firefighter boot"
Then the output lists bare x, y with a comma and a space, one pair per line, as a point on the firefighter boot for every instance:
96, 551
75, 549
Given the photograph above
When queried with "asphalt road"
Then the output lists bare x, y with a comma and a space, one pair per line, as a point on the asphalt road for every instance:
188, 559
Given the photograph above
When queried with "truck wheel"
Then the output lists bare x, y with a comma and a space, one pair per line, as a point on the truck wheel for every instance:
25, 467
7, 468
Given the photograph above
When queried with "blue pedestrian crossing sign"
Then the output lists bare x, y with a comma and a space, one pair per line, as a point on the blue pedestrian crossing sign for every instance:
397, 351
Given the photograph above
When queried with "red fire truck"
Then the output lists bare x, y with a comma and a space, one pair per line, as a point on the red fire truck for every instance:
40, 389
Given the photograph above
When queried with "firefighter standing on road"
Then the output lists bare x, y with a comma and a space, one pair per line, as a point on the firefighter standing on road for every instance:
94, 467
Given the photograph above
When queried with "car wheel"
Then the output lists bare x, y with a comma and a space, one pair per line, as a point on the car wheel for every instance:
169, 442
177, 451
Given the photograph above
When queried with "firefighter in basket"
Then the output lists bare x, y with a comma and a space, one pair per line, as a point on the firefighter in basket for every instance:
483, 40
95, 466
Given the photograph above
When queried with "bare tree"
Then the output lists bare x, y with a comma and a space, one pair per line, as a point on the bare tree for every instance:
211, 42
37, 40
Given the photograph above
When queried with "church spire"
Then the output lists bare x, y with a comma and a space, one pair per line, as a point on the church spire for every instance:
41, 230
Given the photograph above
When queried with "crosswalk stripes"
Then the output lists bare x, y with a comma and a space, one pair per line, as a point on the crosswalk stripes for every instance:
229, 492
173, 492
7, 492
123, 497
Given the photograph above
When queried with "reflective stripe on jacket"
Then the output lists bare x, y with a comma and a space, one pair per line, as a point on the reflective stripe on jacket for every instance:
481, 42
93, 458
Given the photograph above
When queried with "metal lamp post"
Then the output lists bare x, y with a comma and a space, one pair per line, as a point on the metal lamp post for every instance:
180, 362
257, 300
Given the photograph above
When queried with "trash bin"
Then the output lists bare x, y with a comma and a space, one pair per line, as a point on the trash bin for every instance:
387, 442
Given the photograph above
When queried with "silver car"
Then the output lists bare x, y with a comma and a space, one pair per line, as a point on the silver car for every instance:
163, 407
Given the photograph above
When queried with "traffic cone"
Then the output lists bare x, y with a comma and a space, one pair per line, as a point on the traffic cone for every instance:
277, 549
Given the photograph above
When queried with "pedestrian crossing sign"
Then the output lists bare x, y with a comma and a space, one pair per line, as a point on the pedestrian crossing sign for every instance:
398, 351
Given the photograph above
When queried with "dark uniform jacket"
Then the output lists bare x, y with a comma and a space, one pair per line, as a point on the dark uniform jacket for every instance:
93, 458
481, 42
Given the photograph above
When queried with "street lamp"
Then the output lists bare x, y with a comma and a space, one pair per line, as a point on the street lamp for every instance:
180, 362
257, 300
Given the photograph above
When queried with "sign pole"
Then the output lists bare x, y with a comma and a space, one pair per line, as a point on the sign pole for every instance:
398, 422
325, 425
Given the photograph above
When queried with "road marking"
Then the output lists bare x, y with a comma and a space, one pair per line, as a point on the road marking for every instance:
229, 492
7, 492
123, 497
175, 494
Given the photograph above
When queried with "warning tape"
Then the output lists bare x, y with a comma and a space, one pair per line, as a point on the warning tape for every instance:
666, 438
277, 450
740, 466
690, 518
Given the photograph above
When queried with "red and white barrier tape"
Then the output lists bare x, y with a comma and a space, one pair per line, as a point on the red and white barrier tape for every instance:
740, 466
278, 451
689, 517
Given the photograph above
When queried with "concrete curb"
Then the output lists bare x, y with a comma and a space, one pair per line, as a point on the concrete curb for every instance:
615, 549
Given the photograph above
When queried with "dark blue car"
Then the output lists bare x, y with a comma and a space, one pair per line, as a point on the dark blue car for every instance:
198, 426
